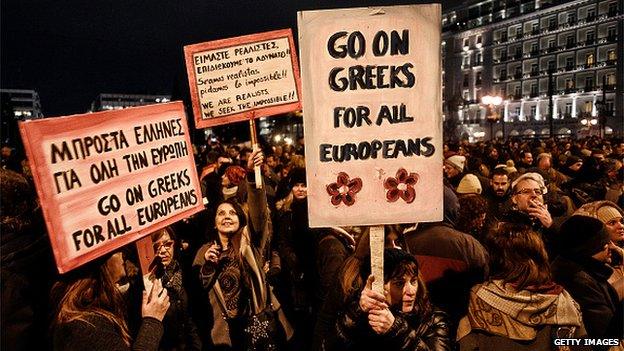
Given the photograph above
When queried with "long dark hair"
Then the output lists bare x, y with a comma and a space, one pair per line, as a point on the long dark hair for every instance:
90, 290
518, 255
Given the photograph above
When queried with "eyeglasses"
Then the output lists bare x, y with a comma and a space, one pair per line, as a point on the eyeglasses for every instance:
529, 191
166, 244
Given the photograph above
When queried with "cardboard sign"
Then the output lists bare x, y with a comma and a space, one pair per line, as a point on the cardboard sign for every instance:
107, 179
244, 77
372, 114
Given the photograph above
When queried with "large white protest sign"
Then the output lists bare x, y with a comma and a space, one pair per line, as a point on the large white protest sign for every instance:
371, 82
109, 178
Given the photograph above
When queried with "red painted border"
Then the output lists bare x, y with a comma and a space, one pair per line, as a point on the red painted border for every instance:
190, 50
32, 132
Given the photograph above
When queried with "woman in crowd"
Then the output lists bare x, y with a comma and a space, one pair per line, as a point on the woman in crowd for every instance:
583, 268
180, 332
519, 307
91, 312
400, 319
245, 313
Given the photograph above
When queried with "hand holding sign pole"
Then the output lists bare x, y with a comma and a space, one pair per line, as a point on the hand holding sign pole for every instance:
373, 120
254, 143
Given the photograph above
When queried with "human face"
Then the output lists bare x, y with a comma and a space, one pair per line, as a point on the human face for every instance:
494, 153
300, 191
116, 268
271, 161
528, 158
163, 248
226, 219
604, 255
401, 291
450, 171
528, 193
615, 229
500, 184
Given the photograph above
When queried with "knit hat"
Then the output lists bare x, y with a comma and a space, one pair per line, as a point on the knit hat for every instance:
582, 236
608, 213
297, 175
457, 161
511, 167
469, 184
533, 176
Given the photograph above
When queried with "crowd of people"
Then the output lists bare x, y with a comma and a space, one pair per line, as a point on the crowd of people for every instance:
530, 251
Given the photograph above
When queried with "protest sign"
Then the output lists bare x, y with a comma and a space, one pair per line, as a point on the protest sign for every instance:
109, 178
372, 114
244, 77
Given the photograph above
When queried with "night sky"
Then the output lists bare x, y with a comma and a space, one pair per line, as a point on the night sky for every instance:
69, 51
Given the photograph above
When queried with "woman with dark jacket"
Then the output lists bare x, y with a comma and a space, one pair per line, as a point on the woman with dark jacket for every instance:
231, 271
180, 332
401, 319
583, 269
519, 307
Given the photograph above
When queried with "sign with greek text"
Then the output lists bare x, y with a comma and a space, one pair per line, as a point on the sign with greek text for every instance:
372, 114
109, 178
244, 77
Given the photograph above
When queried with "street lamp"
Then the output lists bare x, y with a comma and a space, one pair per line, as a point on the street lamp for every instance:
492, 115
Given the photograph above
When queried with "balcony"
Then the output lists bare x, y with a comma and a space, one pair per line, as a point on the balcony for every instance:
570, 44
612, 13
534, 94
590, 18
535, 31
569, 67
534, 73
517, 75
519, 35
553, 26
518, 55
534, 53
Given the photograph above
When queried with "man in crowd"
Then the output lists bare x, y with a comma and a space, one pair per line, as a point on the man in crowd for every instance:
526, 161
498, 193
454, 169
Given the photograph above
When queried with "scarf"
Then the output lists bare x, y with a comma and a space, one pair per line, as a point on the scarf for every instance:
497, 308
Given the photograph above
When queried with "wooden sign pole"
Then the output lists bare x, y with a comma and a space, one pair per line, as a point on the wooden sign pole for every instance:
254, 143
377, 241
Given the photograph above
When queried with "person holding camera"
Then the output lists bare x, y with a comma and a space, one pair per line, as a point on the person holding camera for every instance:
244, 313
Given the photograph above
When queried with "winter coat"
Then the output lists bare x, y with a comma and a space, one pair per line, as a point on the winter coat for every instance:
180, 332
408, 332
586, 280
96, 333
254, 241
502, 318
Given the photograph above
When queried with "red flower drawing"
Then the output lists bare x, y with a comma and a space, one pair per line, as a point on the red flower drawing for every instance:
344, 189
402, 186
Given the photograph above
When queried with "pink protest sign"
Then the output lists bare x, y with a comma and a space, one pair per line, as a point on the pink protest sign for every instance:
245, 77
107, 179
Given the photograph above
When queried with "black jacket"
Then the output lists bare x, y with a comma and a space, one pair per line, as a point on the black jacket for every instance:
407, 333
97, 333
586, 281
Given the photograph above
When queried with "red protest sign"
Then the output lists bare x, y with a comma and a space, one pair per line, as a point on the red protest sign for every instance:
244, 77
107, 179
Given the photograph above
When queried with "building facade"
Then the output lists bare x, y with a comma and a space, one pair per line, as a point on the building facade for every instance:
23, 104
105, 102
557, 65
